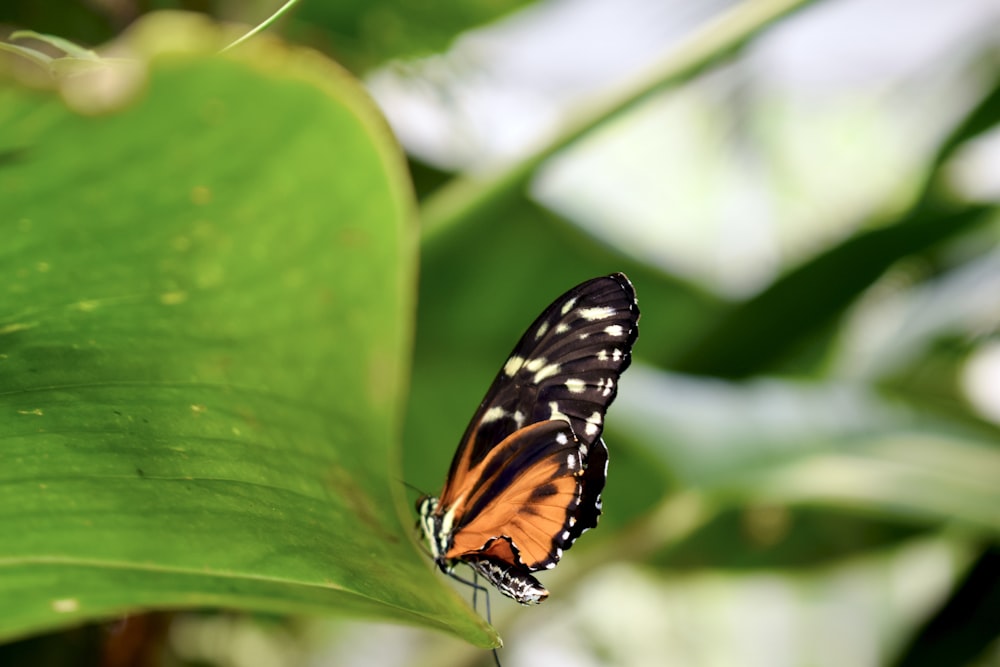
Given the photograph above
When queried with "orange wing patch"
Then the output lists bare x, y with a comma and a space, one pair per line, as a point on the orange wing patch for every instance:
533, 507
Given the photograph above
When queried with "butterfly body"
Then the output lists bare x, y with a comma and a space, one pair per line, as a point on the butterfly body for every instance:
527, 478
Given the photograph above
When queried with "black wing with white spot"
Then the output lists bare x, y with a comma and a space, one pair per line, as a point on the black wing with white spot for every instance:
566, 366
527, 478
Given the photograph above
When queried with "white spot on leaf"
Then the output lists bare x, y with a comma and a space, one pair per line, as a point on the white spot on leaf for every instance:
65, 605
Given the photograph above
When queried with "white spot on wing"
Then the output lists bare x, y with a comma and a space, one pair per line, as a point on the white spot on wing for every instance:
519, 418
533, 365
555, 414
614, 330
568, 306
602, 355
541, 330
570, 460
547, 371
562, 439
616, 355
493, 414
562, 328
575, 385
597, 313
513, 365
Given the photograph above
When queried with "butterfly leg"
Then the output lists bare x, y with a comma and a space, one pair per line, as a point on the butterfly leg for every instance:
475, 594
476, 587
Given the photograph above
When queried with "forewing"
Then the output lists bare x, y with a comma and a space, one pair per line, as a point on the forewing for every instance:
565, 367
538, 490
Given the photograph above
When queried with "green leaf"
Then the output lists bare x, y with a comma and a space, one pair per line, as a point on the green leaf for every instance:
369, 32
204, 342
966, 625
746, 340
757, 334
822, 458
66, 46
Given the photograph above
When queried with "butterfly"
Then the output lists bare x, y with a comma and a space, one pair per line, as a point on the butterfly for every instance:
527, 477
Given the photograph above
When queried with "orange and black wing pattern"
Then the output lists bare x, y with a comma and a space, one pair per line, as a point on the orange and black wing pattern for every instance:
526, 480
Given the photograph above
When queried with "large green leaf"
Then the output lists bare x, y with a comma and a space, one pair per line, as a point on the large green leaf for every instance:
204, 335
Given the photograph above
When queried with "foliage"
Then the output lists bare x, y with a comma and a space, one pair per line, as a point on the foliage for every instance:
219, 361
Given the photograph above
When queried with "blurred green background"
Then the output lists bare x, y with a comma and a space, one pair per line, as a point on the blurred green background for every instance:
805, 455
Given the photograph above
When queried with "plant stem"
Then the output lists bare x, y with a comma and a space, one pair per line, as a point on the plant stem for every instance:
463, 196
263, 25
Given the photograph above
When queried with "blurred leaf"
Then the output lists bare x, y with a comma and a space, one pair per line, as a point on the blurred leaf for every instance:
757, 333
366, 33
749, 339
966, 624
778, 536
34, 56
924, 328
204, 335
76, 20
836, 449
66, 46
470, 196
983, 116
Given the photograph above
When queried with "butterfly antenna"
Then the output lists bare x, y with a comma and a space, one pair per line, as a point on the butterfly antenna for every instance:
419, 491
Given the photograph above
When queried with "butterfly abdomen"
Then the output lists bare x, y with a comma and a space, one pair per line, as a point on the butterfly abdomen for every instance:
512, 582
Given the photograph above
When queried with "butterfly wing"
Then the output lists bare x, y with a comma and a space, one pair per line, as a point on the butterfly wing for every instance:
531, 466
532, 491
